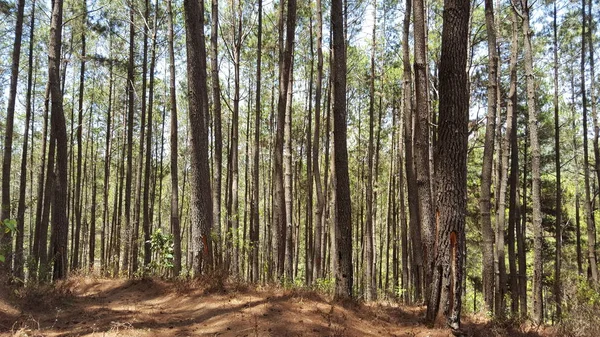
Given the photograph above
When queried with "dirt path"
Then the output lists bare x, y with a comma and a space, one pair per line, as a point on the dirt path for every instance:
100, 307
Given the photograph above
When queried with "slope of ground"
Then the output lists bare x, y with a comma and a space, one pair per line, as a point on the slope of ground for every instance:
103, 307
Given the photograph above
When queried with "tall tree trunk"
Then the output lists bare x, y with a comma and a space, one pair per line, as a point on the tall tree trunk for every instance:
320, 207
75, 264
591, 226
218, 151
5, 213
451, 166
577, 169
130, 116
39, 241
521, 232
279, 211
19, 255
147, 219
201, 199
535, 168
592, 230
107, 158
59, 215
308, 229
488, 158
287, 178
558, 222
511, 139
412, 188
342, 258
175, 228
140, 166
370, 287
422, 141
254, 211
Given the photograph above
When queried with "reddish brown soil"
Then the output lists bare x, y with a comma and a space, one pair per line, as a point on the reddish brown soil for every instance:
102, 307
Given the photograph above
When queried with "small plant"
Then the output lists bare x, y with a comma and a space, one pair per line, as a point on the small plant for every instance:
8, 226
162, 248
325, 285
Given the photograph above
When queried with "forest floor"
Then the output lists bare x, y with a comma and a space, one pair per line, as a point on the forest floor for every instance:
85, 306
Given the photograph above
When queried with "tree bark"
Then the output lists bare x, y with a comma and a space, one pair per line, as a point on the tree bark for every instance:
218, 151
5, 212
254, 213
422, 141
488, 158
558, 220
511, 138
201, 199
342, 256
535, 168
451, 166
175, 227
320, 207
592, 230
19, 254
59, 214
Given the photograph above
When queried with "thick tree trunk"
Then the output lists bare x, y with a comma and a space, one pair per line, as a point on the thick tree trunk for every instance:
342, 256
201, 199
451, 166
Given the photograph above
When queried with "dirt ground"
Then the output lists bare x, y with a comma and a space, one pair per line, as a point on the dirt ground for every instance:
109, 307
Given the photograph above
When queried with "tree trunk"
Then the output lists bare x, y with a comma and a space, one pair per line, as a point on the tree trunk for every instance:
5, 212
342, 256
279, 209
107, 158
75, 264
254, 212
592, 230
535, 169
19, 254
422, 141
175, 228
59, 215
370, 287
586, 164
451, 166
320, 207
558, 222
201, 199
488, 158
147, 219
510, 142
218, 151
